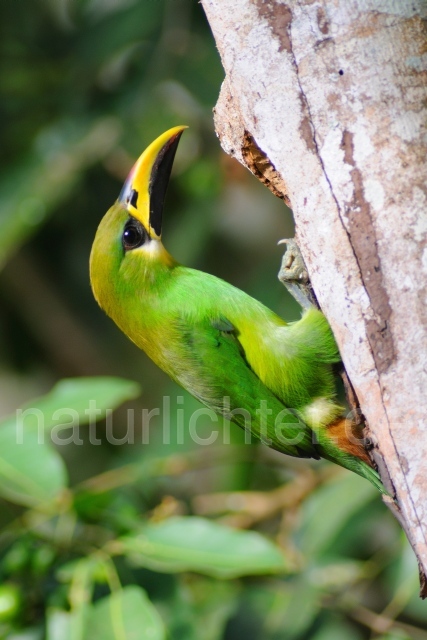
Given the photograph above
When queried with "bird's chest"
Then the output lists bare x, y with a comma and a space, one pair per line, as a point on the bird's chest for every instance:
168, 347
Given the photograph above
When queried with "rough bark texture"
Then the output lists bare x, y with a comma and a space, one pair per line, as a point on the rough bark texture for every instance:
326, 103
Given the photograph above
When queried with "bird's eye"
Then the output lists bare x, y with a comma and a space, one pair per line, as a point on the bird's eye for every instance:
134, 235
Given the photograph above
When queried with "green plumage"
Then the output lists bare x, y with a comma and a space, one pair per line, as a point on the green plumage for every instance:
227, 349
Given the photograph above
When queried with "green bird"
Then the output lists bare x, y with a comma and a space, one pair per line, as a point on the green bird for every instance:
224, 347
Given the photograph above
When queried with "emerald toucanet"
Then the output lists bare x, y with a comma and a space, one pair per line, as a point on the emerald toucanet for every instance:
228, 350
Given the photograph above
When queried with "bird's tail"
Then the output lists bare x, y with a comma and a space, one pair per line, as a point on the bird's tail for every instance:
370, 474
356, 465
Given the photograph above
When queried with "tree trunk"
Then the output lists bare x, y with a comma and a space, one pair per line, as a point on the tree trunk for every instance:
326, 103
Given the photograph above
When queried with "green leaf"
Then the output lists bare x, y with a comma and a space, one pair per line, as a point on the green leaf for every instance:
67, 625
127, 614
59, 624
201, 607
328, 509
284, 610
197, 544
74, 401
31, 472
337, 630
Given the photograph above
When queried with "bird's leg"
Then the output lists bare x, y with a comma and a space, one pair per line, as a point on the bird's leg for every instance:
294, 275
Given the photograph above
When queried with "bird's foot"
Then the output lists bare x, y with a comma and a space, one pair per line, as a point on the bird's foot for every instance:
294, 275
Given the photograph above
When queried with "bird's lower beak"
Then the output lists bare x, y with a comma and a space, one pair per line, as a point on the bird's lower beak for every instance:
144, 191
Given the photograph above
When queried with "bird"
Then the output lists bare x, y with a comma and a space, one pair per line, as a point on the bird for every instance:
235, 355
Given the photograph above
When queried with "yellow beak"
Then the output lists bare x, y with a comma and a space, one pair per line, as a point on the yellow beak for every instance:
144, 191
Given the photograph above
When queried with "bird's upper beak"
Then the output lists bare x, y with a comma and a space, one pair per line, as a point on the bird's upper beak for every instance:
144, 191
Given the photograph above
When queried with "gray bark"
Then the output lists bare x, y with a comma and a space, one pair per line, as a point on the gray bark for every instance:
325, 102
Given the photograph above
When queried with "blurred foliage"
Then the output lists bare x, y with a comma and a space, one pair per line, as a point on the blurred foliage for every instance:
124, 526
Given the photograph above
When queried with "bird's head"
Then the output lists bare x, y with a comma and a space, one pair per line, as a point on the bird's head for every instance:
127, 253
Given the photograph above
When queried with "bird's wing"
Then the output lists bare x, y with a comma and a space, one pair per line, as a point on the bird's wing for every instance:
295, 361
212, 366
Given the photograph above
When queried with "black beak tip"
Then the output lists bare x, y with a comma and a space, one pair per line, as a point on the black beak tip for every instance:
159, 180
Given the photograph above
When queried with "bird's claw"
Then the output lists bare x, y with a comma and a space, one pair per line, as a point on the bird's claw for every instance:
293, 268
294, 275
